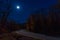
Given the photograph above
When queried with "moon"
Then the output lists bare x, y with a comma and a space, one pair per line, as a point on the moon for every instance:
18, 7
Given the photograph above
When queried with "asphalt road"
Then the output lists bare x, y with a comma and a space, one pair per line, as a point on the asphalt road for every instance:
37, 36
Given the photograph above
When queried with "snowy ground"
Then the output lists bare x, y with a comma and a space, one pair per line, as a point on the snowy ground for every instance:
35, 35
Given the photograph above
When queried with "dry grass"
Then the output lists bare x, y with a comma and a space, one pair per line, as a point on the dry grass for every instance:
9, 36
6, 36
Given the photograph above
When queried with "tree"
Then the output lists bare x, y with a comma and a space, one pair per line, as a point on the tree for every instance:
5, 16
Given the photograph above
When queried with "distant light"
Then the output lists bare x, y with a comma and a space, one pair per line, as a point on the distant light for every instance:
18, 7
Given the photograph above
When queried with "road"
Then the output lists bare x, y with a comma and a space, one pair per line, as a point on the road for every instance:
35, 35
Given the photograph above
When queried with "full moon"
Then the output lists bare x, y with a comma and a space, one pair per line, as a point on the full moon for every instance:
18, 7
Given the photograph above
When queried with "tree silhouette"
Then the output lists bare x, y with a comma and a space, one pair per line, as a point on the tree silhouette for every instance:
5, 14
49, 25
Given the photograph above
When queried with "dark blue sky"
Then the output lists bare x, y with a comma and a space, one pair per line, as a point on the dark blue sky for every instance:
27, 7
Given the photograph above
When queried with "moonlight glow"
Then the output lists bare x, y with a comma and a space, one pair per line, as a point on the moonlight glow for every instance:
18, 7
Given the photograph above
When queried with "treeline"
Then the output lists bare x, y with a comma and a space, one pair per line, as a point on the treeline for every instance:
49, 24
10, 27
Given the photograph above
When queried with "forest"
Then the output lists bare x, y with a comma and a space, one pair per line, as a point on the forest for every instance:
38, 22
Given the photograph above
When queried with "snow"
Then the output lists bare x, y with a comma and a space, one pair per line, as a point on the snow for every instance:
35, 35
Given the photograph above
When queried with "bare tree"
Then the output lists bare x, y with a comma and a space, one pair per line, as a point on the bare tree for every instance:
5, 16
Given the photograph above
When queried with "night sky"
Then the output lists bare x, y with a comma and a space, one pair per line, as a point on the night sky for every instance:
26, 8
